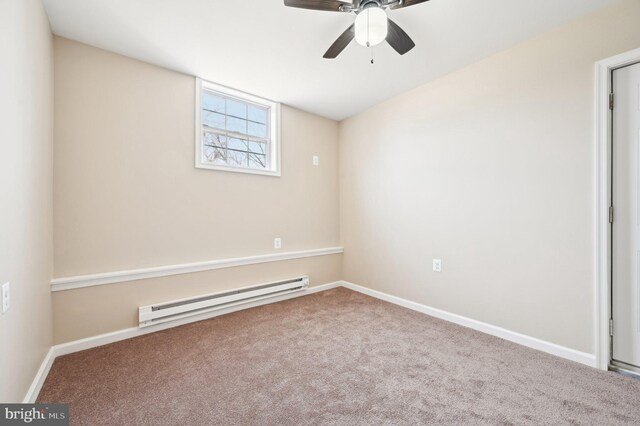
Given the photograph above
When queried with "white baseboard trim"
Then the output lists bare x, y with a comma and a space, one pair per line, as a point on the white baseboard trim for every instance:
128, 333
41, 375
503, 333
70, 283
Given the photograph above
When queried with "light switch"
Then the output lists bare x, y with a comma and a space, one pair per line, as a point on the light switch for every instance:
437, 265
316, 160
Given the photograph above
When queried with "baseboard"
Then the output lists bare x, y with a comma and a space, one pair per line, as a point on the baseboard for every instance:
128, 333
40, 377
512, 336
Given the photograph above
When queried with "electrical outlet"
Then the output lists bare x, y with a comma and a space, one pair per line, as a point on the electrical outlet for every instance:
437, 265
6, 297
277, 243
316, 160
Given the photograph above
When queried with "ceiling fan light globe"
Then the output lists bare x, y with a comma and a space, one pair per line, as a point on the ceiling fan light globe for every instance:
371, 26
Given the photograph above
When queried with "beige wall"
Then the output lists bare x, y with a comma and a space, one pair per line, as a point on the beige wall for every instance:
491, 169
127, 194
91, 311
26, 101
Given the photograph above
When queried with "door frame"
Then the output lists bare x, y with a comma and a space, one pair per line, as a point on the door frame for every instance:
603, 134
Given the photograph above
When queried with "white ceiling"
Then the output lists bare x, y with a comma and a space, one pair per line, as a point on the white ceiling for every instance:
265, 48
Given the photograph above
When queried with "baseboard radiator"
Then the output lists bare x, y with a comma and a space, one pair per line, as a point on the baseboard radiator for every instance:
176, 309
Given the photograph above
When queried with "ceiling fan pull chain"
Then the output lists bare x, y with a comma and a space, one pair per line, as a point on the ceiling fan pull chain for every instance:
371, 55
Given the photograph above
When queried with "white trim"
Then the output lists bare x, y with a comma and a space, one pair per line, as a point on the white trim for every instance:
128, 333
69, 283
40, 377
602, 130
512, 336
274, 128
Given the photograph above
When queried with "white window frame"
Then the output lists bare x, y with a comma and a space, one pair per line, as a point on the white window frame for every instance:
274, 129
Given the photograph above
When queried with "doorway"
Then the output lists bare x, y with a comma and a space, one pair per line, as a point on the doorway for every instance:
625, 219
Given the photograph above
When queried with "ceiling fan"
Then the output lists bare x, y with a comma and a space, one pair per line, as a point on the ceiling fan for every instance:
371, 27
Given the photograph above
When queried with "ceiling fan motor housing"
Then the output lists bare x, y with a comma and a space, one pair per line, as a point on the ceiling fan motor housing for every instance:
359, 6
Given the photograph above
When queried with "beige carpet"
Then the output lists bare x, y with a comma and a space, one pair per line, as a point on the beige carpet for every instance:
338, 358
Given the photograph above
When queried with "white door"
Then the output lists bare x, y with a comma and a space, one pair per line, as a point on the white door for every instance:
626, 224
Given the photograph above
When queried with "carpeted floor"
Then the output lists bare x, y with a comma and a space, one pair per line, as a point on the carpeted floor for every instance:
336, 357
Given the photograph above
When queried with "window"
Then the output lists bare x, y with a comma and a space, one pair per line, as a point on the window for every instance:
236, 131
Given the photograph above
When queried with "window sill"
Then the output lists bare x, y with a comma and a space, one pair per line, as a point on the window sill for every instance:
274, 173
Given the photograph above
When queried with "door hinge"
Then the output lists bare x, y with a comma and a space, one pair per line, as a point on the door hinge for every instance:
610, 214
611, 101
611, 327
